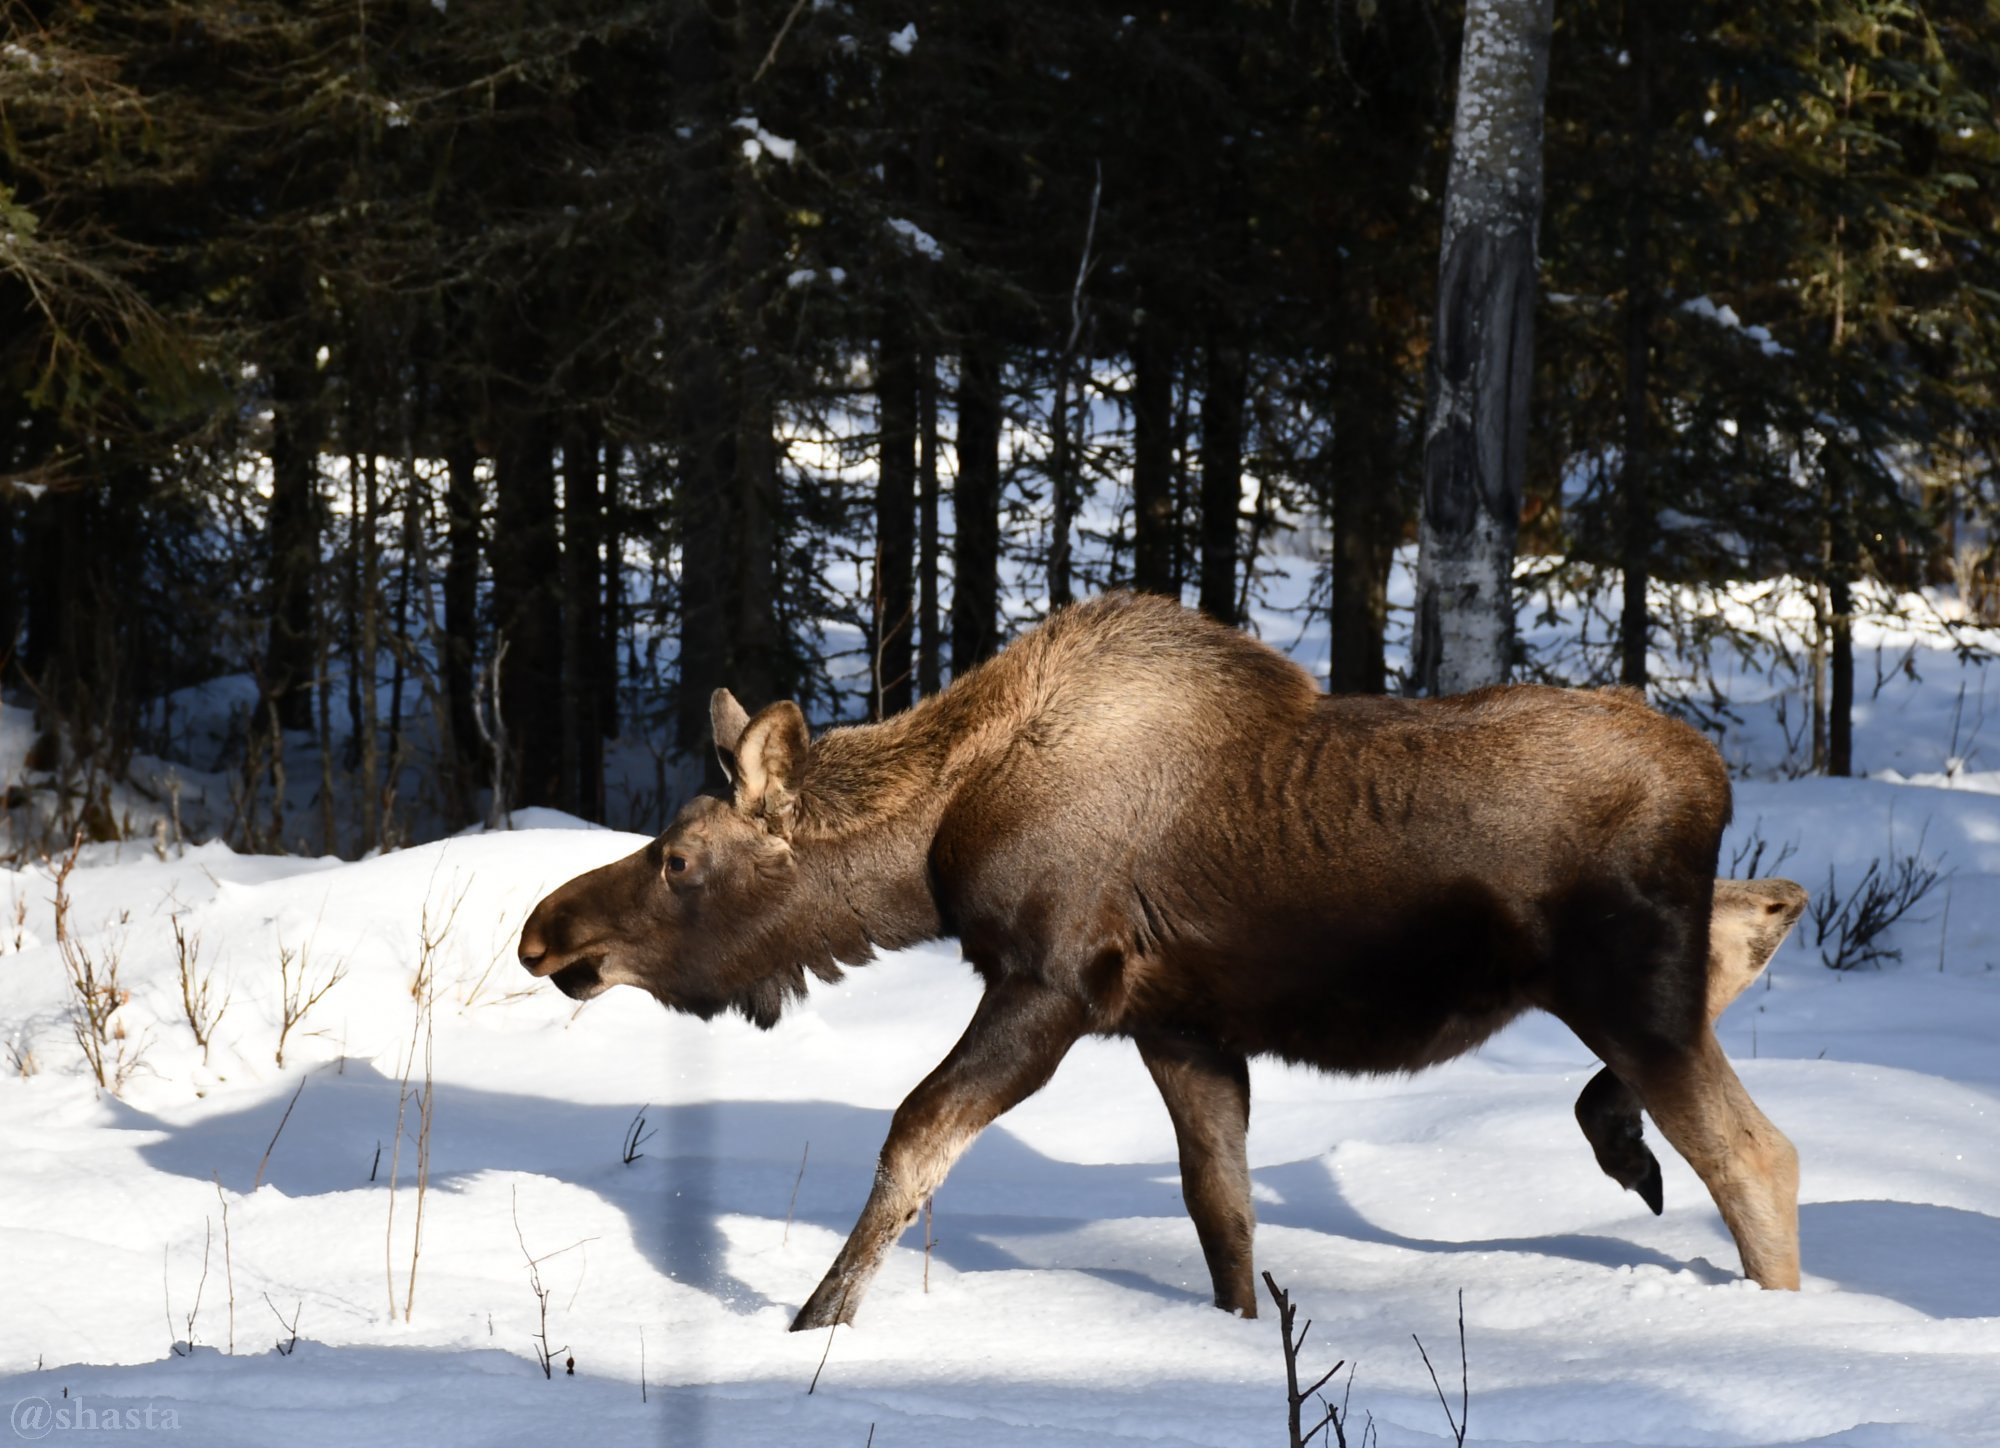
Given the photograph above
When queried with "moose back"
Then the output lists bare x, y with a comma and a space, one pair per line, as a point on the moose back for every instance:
1139, 823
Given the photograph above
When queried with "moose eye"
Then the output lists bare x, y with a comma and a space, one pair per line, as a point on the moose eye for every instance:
677, 864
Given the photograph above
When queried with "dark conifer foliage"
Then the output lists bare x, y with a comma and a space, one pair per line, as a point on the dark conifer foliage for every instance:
483, 386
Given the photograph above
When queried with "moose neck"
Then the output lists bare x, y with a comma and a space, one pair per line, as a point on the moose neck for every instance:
870, 806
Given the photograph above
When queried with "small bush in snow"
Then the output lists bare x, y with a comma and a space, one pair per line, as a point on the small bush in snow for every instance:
198, 997
95, 994
1850, 931
296, 994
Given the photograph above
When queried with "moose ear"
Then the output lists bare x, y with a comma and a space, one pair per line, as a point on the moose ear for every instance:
727, 720
771, 757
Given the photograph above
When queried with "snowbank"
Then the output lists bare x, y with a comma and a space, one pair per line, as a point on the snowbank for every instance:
1067, 1298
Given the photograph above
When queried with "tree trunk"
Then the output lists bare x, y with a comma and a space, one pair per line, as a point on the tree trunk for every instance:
1221, 476
1840, 718
57, 656
975, 594
1635, 482
1153, 459
583, 526
527, 597
1366, 507
10, 599
761, 670
1062, 488
895, 517
462, 506
1366, 520
292, 529
1481, 367
929, 654
367, 655
704, 430
1843, 554
703, 513
612, 627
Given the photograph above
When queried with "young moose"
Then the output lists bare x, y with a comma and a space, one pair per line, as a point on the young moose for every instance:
1140, 823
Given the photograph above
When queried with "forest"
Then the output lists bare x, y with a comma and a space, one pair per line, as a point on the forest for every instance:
480, 383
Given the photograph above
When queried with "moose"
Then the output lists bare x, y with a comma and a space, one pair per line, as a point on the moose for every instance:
1138, 822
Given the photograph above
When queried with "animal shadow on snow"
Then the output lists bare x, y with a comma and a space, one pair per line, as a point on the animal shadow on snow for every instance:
700, 1165
1310, 1198
708, 1162
1943, 1261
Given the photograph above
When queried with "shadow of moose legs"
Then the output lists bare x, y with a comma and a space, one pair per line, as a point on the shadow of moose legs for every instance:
1207, 1091
1017, 1038
1747, 1164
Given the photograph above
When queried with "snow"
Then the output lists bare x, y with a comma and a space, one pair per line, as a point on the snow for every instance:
1067, 1296
761, 142
916, 238
1724, 316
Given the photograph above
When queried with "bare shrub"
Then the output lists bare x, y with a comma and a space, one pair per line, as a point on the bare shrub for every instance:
1333, 1421
95, 993
1850, 929
199, 1001
297, 992
545, 1355
1747, 861
431, 936
184, 1345
21, 1059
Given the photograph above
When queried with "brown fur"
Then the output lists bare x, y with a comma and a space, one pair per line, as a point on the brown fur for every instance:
1749, 921
1139, 823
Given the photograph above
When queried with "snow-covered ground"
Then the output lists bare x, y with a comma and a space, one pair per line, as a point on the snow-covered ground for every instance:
1067, 1298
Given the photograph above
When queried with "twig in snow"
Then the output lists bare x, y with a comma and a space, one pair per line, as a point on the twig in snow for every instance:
823, 1357
291, 1343
636, 1136
1294, 1398
1464, 1382
795, 1194
185, 1346
544, 1354
265, 1159
228, 1261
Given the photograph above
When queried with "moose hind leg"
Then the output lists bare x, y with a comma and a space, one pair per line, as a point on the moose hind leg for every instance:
1748, 921
1608, 1112
1207, 1091
1746, 1163
1017, 1038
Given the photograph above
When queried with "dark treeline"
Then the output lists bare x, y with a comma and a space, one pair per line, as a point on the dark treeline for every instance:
517, 373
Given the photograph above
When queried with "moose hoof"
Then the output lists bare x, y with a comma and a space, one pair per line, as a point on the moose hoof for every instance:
1649, 1187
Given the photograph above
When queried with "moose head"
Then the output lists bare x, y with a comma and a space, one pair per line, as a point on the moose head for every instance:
703, 916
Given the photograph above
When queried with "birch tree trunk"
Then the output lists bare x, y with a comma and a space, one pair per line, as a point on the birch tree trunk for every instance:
1476, 420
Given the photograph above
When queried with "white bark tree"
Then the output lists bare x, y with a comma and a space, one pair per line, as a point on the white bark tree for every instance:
1476, 414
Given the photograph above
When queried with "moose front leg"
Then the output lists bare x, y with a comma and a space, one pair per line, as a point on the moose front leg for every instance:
1207, 1091
1017, 1037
